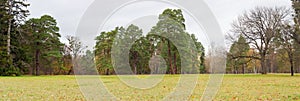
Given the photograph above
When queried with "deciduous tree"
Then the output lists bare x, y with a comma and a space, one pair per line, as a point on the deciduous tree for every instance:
260, 26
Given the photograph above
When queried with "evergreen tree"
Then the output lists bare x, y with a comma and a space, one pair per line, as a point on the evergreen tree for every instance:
45, 40
237, 53
163, 39
102, 51
12, 14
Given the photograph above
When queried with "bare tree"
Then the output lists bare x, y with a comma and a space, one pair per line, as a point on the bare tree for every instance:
260, 26
75, 47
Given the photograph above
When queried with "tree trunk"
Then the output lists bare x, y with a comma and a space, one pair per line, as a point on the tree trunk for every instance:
292, 64
263, 65
292, 68
37, 61
107, 72
9, 30
8, 38
70, 71
135, 62
175, 65
170, 58
255, 68
243, 69
235, 70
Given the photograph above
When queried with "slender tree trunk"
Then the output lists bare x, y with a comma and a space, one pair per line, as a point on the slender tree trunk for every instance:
255, 68
37, 61
156, 69
291, 63
243, 69
37, 57
175, 65
170, 58
135, 63
70, 71
9, 30
107, 72
292, 68
8, 37
235, 71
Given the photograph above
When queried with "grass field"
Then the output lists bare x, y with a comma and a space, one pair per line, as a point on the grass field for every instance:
234, 87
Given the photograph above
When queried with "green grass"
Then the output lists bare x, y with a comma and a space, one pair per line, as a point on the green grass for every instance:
234, 87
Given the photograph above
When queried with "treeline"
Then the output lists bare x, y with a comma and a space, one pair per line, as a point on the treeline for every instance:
163, 40
31, 46
266, 40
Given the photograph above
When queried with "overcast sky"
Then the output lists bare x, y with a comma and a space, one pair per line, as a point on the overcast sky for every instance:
69, 12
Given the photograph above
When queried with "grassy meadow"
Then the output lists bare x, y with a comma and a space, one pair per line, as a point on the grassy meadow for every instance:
275, 87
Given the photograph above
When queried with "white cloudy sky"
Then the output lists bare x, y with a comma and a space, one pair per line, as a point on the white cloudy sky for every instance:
69, 12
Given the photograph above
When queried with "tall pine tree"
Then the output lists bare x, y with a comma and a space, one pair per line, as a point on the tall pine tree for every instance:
12, 14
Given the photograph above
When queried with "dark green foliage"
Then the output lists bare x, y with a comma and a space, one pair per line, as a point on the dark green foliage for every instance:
236, 60
200, 51
102, 51
12, 53
44, 43
163, 39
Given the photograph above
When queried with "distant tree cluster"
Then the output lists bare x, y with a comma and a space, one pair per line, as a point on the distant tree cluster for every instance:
156, 42
268, 41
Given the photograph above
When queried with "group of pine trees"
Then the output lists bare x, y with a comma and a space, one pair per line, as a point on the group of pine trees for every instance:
32, 46
166, 39
29, 46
